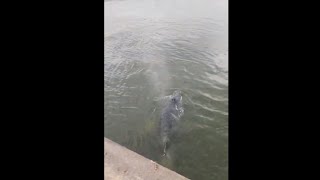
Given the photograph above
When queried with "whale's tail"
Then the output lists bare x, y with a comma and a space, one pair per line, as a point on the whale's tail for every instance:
164, 149
165, 142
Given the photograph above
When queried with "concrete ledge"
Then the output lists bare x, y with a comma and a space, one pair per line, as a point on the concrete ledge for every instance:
122, 163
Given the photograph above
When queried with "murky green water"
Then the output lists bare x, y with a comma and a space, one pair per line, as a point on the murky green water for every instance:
152, 48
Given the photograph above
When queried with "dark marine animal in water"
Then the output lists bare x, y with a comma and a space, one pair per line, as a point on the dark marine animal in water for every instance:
170, 115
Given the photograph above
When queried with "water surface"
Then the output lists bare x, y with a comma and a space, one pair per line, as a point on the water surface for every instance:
152, 48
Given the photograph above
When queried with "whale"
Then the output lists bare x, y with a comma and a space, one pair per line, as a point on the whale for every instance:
170, 116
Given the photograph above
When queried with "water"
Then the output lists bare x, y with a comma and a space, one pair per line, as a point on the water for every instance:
152, 48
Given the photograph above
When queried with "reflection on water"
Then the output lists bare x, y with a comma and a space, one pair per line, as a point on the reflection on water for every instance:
152, 48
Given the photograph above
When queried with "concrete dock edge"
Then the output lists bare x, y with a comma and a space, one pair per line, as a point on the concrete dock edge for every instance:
121, 163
